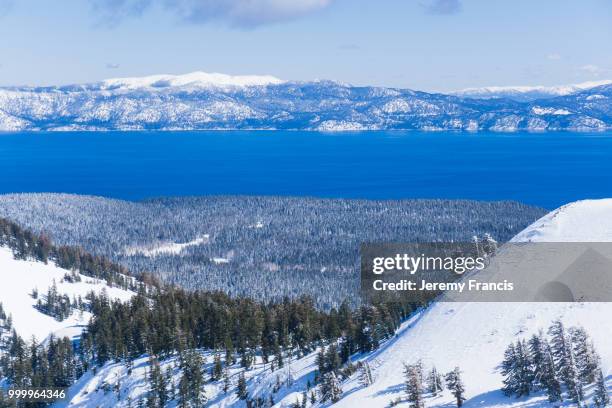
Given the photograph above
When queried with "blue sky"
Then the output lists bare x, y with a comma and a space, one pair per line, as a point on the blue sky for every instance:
420, 44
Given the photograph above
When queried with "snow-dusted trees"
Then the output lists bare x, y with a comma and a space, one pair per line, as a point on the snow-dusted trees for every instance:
158, 394
601, 397
455, 386
191, 384
517, 370
251, 231
567, 361
365, 374
587, 360
241, 387
413, 381
434, 382
330, 388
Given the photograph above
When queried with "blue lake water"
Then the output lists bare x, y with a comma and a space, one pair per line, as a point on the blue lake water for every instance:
547, 169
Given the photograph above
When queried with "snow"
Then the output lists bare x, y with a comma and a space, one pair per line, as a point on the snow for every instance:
538, 110
558, 90
194, 79
166, 248
473, 336
21, 277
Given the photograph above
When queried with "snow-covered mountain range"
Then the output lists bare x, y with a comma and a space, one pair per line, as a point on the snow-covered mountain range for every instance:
216, 101
528, 93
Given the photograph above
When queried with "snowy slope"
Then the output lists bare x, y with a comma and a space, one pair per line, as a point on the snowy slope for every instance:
473, 336
20, 277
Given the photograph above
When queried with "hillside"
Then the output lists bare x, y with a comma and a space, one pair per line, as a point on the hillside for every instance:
22, 277
295, 245
215, 101
472, 336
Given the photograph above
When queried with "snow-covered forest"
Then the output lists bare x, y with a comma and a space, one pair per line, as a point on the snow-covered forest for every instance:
246, 245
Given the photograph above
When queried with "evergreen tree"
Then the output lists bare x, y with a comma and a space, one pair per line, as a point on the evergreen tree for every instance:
330, 388
227, 382
320, 361
517, 370
434, 382
241, 389
413, 380
571, 380
536, 356
365, 374
601, 397
217, 371
191, 384
332, 358
549, 378
587, 360
455, 386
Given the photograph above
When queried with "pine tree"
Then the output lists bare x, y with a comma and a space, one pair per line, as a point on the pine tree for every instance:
549, 378
365, 374
191, 384
320, 360
601, 397
227, 382
509, 371
536, 356
455, 386
330, 388
587, 360
332, 359
517, 369
571, 380
413, 375
217, 371
434, 382
241, 389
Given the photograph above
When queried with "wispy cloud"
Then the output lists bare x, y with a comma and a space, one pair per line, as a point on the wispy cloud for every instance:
237, 13
112, 66
442, 7
553, 57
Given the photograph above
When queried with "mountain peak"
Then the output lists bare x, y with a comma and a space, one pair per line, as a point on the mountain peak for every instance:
195, 79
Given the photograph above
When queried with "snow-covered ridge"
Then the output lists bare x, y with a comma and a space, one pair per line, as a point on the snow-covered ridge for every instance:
194, 79
526, 91
202, 101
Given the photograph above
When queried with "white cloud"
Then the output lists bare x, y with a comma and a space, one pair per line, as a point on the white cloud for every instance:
553, 57
241, 13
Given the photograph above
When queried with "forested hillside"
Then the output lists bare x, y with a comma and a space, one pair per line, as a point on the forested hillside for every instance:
246, 245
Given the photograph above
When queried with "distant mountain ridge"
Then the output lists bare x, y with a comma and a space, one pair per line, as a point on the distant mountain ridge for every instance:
201, 101
528, 93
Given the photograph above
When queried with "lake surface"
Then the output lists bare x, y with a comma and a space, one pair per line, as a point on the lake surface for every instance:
547, 169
